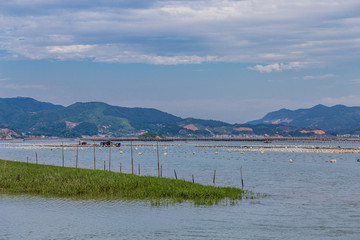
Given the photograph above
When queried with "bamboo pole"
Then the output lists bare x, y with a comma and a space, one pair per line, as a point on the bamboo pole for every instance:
175, 174
109, 158
242, 181
63, 154
214, 176
77, 155
94, 155
132, 159
193, 178
120, 162
158, 162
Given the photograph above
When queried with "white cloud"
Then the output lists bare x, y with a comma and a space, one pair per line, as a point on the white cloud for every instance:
319, 76
277, 67
161, 60
69, 49
111, 53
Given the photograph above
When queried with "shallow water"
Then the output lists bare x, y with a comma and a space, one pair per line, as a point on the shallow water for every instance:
308, 199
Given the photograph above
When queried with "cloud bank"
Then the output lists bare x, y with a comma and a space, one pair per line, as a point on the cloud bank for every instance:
272, 35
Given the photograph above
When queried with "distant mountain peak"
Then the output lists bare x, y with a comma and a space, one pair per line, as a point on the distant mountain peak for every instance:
319, 106
29, 104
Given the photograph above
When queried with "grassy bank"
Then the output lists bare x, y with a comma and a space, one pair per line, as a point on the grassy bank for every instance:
52, 181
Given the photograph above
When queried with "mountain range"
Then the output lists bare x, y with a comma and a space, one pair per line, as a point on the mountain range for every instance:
338, 119
34, 118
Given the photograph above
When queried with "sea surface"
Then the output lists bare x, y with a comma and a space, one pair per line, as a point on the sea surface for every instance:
310, 198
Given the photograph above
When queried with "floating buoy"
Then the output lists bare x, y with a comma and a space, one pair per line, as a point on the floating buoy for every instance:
121, 152
136, 148
262, 152
291, 161
216, 152
333, 161
193, 153
358, 160
165, 153
140, 153
241, 152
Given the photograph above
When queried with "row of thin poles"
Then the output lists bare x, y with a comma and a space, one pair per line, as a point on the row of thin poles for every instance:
159, 167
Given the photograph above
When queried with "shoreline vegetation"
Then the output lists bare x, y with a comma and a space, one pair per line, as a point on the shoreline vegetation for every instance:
20, 178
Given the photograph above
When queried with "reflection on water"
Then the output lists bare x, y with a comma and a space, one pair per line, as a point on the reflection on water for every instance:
309, 199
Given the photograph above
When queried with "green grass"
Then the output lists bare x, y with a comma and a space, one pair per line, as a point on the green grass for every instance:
52, 181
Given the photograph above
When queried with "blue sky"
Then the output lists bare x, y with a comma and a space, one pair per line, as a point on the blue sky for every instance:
226, 60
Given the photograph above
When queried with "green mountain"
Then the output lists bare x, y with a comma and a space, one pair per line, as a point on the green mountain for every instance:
95, 118
16, 112
34, 118
29, 104
337, 119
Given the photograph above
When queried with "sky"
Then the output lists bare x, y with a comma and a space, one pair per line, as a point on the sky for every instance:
225, 60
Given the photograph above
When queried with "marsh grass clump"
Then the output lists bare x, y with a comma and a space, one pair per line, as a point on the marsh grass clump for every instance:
53, 181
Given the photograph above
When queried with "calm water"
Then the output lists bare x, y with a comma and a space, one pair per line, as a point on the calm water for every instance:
308, 199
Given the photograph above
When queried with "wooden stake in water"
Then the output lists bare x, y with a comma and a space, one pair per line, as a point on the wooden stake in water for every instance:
242, 181
120, 168
132, 159
63, 155
193, 178
139, 168
27, 159
214, 176
104, 165
77, 156
161, 171
109, 158
175, 174
94, 155
36, 159
158, 162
